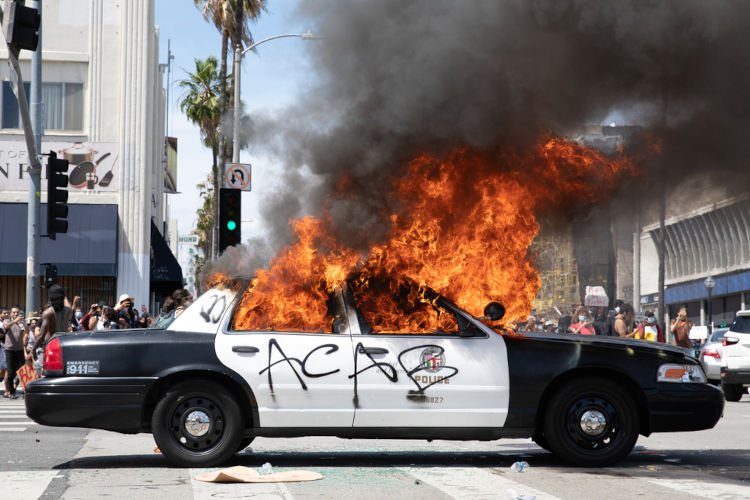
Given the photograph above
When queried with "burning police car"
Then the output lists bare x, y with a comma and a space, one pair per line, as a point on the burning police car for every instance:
206, 386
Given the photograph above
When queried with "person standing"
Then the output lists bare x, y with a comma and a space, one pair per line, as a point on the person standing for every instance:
3, 362
15, 332
680, 328
55, 318
183, 299
125, 314
584, 326
624, 321
648, 329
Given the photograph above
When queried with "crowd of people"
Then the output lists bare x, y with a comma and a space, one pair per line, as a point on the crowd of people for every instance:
617, 322
21, 337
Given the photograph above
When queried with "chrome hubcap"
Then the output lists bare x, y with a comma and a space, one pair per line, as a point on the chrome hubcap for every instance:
593, 422
197, 423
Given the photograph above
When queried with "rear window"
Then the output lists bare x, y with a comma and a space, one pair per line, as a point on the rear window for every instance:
718, 335
741, 324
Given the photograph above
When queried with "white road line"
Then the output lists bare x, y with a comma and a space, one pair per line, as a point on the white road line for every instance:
13, 429
706, 489
22, 422
25, 484
471, 482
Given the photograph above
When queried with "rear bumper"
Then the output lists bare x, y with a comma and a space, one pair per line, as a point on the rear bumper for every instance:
112, 404
729, 376
684, 407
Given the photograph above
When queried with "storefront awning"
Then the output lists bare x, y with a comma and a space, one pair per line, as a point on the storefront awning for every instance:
696, 290
166, 273
89, 248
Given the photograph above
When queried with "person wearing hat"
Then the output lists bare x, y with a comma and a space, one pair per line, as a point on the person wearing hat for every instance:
126, 315
550, 326
648, 329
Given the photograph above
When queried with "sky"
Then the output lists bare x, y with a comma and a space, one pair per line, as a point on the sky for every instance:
271, 79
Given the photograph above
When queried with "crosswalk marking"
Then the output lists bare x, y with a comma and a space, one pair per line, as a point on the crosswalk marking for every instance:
704, 488
13, 416
473, 482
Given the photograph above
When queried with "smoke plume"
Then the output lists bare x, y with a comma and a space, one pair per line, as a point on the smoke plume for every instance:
396, 78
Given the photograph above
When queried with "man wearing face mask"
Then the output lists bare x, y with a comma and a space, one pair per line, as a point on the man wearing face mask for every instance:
648, 329
56, 318
183, 299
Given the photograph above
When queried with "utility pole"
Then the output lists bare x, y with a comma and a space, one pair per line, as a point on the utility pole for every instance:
169, 73
22, 30
33, 230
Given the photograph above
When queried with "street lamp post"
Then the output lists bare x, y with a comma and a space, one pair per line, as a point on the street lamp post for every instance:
709, 284
238, 55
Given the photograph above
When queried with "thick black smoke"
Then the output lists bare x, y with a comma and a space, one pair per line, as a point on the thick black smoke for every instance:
396, 78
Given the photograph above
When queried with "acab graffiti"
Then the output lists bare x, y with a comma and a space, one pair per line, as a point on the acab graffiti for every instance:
421, 375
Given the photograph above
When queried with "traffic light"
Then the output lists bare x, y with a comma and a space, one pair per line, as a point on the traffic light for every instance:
21, 25
57, 196
230, 210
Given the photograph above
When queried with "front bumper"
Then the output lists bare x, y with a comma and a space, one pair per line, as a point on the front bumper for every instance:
112, 404
684, 407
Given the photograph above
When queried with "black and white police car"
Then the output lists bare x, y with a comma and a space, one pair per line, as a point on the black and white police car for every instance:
205, 389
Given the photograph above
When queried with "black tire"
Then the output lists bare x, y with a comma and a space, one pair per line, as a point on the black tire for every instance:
206, 447
732, 392
613, 422
245, 443
541, 441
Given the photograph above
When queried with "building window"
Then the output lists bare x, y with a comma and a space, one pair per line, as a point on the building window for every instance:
62, 106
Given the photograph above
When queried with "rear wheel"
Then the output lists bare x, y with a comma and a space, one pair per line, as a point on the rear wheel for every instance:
197, 424
732, 392
591, 422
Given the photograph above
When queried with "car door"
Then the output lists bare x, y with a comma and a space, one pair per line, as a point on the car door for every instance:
299, 379
418, 380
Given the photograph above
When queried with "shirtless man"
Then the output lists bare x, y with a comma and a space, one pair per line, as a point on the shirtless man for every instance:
55, 318
624, 321
680, 328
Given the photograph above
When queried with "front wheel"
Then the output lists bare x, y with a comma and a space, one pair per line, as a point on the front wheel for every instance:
591, 422
197, 424
732, 392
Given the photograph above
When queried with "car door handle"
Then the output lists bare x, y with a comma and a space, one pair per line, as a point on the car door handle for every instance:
245, 348
372, 350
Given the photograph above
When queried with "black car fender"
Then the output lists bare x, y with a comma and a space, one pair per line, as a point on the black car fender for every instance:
229, 379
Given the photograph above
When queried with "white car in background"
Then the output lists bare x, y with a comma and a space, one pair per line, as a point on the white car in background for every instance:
735, 364
710, 356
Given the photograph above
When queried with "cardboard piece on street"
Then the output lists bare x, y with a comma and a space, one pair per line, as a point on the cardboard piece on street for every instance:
241, 474
27, 374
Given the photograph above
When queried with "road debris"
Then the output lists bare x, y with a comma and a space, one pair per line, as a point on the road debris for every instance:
241, 474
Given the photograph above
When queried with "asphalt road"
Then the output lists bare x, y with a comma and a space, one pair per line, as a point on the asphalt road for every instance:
44, 462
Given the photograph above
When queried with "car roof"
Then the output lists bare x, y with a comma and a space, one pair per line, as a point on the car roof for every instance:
744, 312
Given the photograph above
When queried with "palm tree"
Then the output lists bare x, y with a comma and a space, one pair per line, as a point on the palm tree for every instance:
232, 18
200, 103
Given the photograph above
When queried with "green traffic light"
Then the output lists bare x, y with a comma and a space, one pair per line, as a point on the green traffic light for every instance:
231, 225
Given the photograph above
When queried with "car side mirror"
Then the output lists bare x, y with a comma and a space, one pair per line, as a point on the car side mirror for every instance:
494, 311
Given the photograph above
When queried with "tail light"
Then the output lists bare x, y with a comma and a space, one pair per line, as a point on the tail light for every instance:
712, 353
53, 356
729, 341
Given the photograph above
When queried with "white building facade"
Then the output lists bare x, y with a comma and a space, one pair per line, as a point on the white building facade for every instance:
103, 110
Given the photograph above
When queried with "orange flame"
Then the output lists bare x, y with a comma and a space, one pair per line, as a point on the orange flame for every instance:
463, 228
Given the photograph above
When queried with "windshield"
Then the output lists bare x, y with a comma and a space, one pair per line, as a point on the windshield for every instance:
741, 324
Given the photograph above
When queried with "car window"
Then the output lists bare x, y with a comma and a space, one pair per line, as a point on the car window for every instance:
741, 324
718, 335
402, 313
206, 313
317, 313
